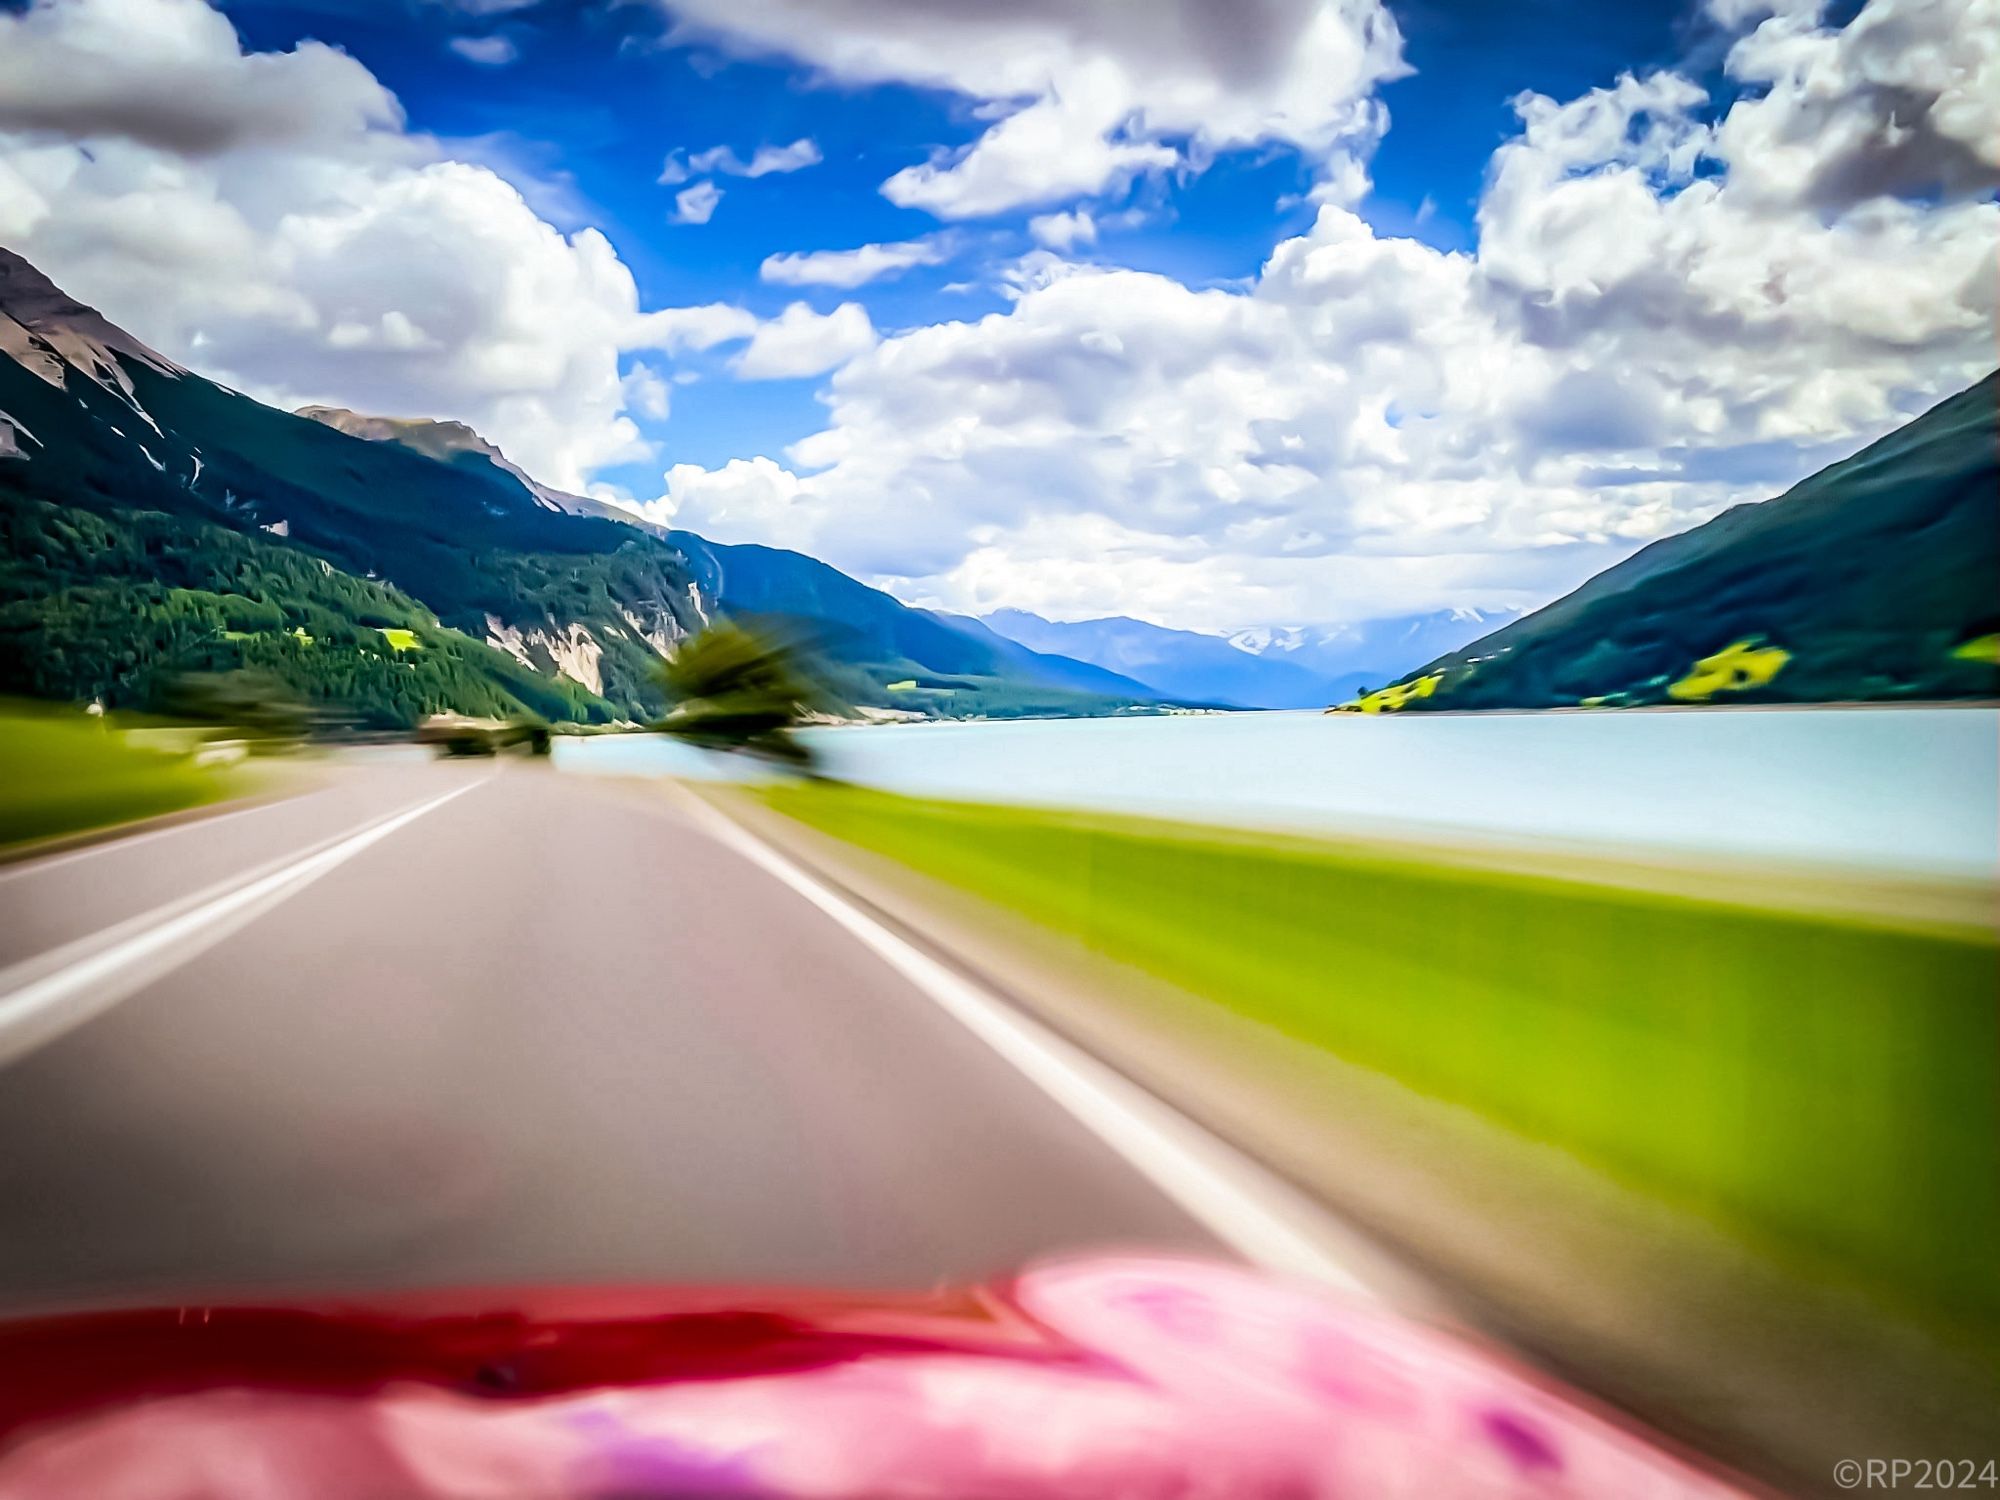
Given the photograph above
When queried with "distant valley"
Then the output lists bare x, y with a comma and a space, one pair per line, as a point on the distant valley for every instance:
1283, 668
154, 523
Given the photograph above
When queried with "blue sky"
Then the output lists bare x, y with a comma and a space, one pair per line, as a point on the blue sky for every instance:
1220, 313
585, 115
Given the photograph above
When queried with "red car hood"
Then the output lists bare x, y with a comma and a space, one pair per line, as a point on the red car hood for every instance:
1145, 1379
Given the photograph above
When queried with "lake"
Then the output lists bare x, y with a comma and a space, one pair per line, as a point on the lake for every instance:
1906, 789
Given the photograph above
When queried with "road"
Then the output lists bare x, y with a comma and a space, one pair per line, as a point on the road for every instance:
530, 1028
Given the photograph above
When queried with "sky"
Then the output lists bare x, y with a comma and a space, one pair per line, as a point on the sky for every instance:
1217, 313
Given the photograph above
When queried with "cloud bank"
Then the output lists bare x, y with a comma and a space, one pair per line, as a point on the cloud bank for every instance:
1084, 95
1673, 305
267, 218
1668, 311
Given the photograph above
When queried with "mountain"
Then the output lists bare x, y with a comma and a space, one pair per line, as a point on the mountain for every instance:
1058, 670
456, 443
1371, 650
1182, 665
153, 522
857, 625
926, 663
1871, 581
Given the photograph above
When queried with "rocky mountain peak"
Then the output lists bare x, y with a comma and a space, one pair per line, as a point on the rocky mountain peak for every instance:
38, 319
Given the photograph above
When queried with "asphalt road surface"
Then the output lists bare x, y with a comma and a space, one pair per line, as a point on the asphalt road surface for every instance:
440, 1024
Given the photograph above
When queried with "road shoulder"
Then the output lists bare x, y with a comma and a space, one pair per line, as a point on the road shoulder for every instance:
1693, 1330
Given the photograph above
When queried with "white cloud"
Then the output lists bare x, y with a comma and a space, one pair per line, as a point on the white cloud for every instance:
696, 205
701, 327
801, 342
744, 500
1653, 326
797, 342
647, 393
168, 73
1088, 94
1905, 99
766, 160
487, 51
1044, 154
851, 268
1064, 231
263, 218
1670, 307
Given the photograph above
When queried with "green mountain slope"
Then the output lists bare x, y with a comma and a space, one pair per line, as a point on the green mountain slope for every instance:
885, 653
1873, 580
155, 522
111, 605
102, 425
1067, 670
948, 665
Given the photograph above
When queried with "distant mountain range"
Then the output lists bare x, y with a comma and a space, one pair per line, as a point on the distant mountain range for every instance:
1875, 580
1274, 668
153, 522
1373, 650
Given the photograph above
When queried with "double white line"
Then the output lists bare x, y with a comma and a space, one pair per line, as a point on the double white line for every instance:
44, 996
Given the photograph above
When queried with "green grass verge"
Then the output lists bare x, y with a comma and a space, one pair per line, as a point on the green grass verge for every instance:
1829, 1086
65, 773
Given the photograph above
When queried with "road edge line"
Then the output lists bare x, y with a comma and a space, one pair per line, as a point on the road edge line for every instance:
38, 1009
1266, 1220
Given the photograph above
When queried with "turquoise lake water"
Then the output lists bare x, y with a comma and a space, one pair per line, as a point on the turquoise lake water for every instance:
1908, 789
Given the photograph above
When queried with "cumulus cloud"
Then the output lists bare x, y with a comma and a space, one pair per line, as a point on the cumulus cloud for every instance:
1672, 304
1374, 425
1043, 154
699, 327
801, 342
168, 73
696, 205
851, 268
1064, 231
487, 51
264, 218
647, 393
680, 166
1087, 94
1903, 100
746, 497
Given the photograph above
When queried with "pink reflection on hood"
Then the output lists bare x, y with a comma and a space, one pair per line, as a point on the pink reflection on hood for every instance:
1125, 1379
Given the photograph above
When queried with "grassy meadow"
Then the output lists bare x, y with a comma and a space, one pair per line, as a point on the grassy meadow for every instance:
62, 772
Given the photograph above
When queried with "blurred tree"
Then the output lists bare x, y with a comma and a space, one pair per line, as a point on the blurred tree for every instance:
252, 704
746, 686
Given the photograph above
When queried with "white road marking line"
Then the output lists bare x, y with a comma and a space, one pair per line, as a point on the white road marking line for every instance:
44, 996
1265, 1220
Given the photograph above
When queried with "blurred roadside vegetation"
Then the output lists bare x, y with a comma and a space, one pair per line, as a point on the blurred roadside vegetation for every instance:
462, 738
63, 771
745, 687
1826, 1087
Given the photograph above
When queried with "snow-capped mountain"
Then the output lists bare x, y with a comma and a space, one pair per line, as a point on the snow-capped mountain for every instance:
1374, 649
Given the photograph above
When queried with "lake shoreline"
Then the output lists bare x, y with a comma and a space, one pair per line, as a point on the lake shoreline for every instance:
1845, 705
1902, 791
